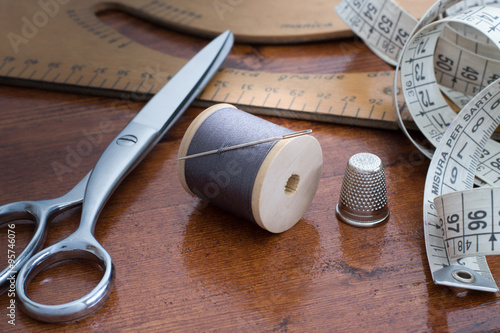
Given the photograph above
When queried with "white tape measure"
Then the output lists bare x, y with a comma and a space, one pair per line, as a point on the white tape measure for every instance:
457, 55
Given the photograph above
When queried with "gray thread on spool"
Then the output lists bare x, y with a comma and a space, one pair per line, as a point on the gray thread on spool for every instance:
232, 190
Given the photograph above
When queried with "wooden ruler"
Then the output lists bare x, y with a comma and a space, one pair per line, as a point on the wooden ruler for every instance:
62, 44
256, 21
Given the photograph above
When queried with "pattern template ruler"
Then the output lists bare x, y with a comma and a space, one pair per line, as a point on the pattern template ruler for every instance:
62, 45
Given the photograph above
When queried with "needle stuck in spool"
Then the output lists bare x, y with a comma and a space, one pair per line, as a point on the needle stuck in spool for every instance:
243, 145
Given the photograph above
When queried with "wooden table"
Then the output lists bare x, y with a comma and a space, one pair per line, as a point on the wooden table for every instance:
183, 265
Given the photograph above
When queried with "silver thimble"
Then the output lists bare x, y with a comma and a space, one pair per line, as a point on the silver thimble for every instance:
363, 197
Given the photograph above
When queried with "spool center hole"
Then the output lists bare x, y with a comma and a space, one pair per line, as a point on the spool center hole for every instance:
292, 184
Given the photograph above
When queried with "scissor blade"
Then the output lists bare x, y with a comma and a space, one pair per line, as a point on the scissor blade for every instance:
168, 104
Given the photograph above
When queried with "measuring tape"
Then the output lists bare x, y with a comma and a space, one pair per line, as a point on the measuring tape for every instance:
458, 55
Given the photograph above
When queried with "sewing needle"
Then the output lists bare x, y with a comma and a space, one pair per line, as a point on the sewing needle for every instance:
242, 145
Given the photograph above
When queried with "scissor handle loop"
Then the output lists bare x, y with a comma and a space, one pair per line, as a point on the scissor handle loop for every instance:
40, 212
23, 210
75, 246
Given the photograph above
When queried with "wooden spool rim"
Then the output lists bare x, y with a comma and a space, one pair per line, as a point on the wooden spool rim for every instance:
286, 183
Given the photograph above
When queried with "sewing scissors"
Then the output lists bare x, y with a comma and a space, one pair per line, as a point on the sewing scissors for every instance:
124, 153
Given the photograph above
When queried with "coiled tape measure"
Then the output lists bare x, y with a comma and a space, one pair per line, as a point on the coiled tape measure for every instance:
457, 56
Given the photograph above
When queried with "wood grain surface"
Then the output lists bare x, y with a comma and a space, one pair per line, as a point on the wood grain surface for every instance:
185, 266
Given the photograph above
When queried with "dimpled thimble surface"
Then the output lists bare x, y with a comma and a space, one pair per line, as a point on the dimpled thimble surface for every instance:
363, 197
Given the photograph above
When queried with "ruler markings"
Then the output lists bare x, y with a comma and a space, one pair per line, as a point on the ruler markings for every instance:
265, 99
457, 162
376, 20
46, 73
177, 17
83, 19
166, 12
125, 44
116, 82
471, 138
343, 109
372, 28
151, 89
396, 25
448, 186
215, 94
22, 71
481, 87
378, 13
193, 18
56, 77
69, 76
3, 64
490, 158
424, 84
149, 4
239, 98
317, 106
426, 113
454, 80
492, 238
92, 80
185, 17
477, 234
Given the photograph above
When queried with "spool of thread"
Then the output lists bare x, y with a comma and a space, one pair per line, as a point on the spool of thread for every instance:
271, 184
